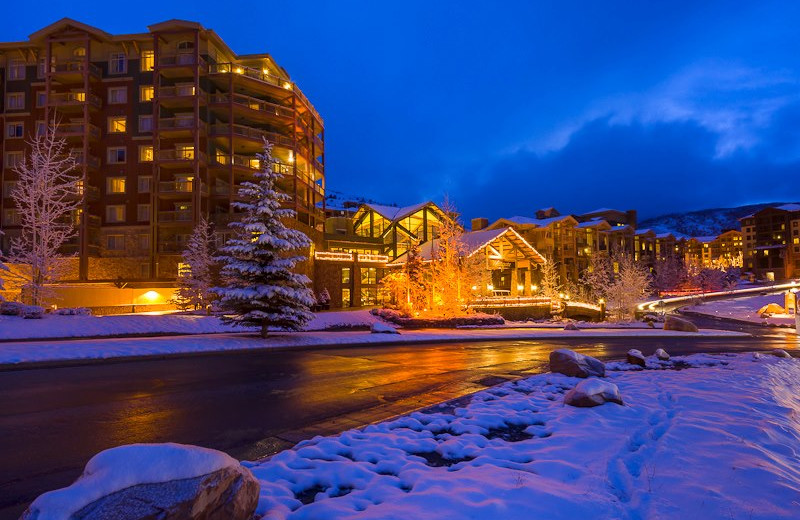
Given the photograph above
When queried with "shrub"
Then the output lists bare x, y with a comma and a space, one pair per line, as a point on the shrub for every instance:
32, 312
11, 308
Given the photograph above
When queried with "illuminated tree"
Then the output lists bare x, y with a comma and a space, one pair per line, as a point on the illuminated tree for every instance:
3, 267
600, 276
631, 285
196, 277
48, 195
260, 287
551, 286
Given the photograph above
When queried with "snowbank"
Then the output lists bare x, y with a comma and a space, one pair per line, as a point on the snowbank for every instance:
717, 441
744, 309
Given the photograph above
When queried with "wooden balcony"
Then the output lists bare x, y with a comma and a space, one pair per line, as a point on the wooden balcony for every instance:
258, 107
77, 131
181, 65
179, 157
182, 96
72, 71
255, 136
179, 189
73, 101
179, 126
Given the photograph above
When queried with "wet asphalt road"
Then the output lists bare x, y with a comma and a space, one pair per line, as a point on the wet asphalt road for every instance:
252, 404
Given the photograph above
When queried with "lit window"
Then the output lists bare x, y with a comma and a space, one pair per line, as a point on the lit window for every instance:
146, 153
13, 159
143, 213
117, 63
115, 185
115, 242
148, 61
15, 130
146, 93
116, 155
346, 275
115, 213
145, 124
117, 124
143, 184
117, 95
185, 151
15, 101
79, 52
345, 298
16, 70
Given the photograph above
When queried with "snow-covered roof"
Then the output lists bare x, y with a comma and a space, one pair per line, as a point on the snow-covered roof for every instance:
603, 210
528, 221
665, 235
474, 241
644, 231
789, 207
395, 213
708, 238
592, 223
626, 227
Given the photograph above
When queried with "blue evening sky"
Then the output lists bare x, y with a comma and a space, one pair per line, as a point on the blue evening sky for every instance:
511, 106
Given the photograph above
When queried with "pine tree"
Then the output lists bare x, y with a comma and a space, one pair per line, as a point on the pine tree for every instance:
260, 287
196, 277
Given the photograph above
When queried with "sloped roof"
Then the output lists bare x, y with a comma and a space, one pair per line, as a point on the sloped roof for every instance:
789, 207
394, 213
528, 221
473, 241
595, 222
602, 210
69, 22
665, 235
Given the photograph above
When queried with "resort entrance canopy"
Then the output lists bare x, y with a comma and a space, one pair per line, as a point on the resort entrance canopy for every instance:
395, 229
509, 260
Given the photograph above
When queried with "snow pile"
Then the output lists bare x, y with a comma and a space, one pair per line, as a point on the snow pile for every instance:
717, 440
142, 463
745, 309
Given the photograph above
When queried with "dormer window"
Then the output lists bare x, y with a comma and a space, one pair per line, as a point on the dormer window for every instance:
79, 52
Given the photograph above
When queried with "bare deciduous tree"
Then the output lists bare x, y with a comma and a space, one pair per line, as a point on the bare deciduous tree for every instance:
551, 286
47, 195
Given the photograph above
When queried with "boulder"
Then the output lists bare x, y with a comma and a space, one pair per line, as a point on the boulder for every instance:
571, 326
779, 352
771, 308
570, 363
635, 357
662, 355
680, 324
593, 392
382, 328
154, 481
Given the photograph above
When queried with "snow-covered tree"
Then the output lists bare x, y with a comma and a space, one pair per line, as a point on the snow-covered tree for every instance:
48, 195
260, 287
631, 285
668, 274
551, 286
196, 277
599, 277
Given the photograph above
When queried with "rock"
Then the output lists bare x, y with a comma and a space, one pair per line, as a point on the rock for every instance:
154, 482
662, 355
635, 357
680, 324
570, 363
771, 308
571, 326
779, 352
382, 328
756, 355
651, 324
593, 392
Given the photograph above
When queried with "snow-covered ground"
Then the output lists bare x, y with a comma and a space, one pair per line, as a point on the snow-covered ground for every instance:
108, 348
716, 441
56, 326
745, 309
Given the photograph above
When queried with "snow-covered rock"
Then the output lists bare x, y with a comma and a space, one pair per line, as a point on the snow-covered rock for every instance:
153, 481
593, 392
571, 326
382, 328
662, 355
779, 352
570, 363
680, 324
635, 357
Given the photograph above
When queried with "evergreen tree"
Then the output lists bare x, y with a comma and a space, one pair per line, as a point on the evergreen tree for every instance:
260, 287
196, 276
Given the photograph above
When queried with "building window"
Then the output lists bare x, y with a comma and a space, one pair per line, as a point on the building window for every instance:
148, 61
117, 63
185, 151
143, 185
15, 101
117, 95
346, 275
145, 124
115, 185
115, 213
15, 130
369, 276
115, 242
117, 124
146, 153
116, 155
345, 298
143, 213
143, 241
369, 296
12, 217
16, 70
13, 159
79, 52
146, 93
41, 98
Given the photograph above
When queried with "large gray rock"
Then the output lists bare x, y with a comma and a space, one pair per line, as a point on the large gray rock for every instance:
593, 392
779, 352
679, 324
570, 363
154, 482
635, 357
662, 355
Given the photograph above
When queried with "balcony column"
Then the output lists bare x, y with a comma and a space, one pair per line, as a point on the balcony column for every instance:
154, 200
83, 254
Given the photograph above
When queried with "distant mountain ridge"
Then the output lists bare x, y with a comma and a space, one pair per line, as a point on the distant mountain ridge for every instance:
704, 222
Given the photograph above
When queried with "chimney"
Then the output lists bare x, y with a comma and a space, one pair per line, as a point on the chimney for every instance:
479, 223
631, 218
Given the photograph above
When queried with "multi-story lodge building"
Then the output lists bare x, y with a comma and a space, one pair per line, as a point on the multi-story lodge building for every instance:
164, 125
772, 242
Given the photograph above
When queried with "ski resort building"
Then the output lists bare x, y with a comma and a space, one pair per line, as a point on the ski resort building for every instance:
772, 242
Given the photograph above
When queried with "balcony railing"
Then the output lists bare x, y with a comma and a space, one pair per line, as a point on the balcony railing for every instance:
75, 99
180, 60
180, 91
251, 133
77, 130
180, 155
253, 104
182, 215
179, 187
80, 159
73, 66
180, 123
